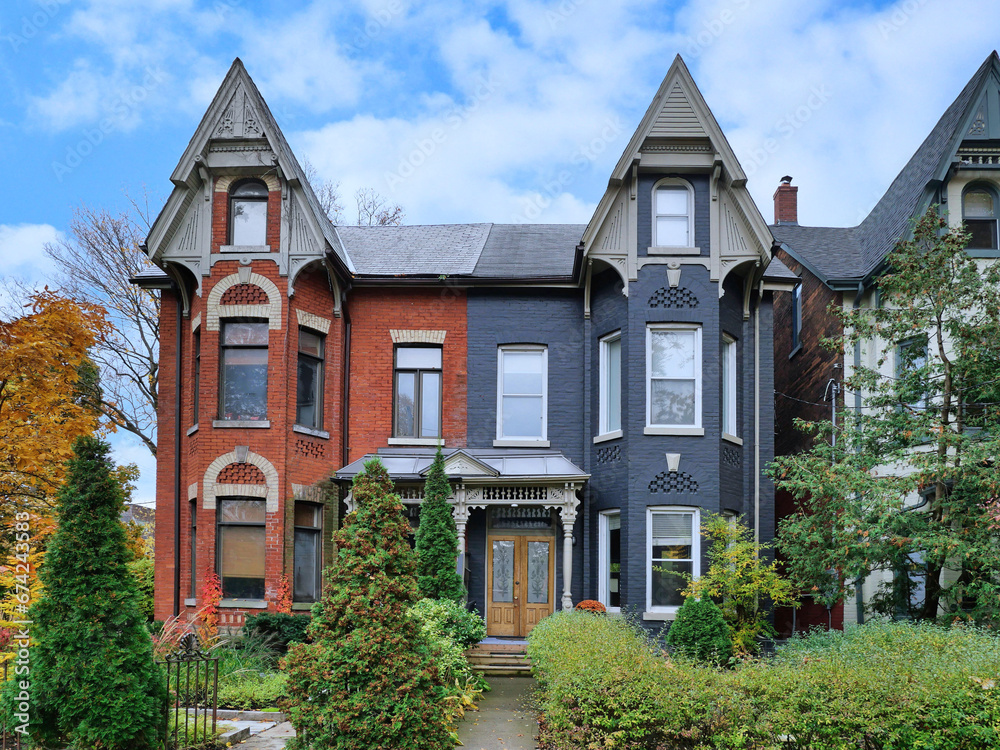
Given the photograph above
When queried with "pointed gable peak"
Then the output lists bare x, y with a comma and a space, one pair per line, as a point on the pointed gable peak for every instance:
678, 111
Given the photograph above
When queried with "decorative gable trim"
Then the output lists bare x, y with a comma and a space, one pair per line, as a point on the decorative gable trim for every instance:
462, 464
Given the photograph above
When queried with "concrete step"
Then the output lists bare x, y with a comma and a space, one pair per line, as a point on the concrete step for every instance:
503, 670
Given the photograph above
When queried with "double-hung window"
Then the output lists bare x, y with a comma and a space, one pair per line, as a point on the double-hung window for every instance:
309, 390
522, 390
193, 513
911, 361
673, 369
241, 548
979, 210
417, 412
308, 552
243, 381
729, 420
673, 208
610, 551
248, 214
674, 549
611, 384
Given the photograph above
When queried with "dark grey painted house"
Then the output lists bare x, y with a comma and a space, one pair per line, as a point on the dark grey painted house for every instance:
619, 380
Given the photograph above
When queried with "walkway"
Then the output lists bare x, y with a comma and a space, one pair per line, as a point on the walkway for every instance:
505, 719
272, 739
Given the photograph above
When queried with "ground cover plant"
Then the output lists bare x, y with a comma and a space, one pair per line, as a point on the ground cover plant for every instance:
881, 686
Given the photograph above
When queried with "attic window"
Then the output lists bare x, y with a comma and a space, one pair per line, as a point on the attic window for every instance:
248, 214
673, 203
979, 210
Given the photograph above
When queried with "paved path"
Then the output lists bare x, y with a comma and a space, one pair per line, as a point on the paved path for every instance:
505, 719
272, 739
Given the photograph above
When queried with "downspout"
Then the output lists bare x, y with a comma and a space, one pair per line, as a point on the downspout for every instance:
858, 586
346, 398
756, 423
177, 454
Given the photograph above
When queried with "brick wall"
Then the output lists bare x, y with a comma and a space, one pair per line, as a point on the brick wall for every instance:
800, 380
376, 311
298, 458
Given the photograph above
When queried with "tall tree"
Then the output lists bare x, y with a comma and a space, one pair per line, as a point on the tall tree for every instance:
94, 683
368, 678
97, 261
907, 485
437, 539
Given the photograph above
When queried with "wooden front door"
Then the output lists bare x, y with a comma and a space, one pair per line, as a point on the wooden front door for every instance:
520, 576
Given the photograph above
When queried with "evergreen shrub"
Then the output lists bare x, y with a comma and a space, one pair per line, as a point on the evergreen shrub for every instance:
700, 632
464, 627
437, 539
276, 628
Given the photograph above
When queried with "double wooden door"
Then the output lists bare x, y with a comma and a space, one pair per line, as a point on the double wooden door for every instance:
520, 579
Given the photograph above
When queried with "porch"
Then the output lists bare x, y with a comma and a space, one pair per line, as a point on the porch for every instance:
509, 505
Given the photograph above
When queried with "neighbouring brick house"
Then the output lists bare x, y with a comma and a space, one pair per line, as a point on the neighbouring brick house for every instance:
956, 167
596, 388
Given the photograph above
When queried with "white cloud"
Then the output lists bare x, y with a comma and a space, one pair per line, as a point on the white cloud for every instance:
22, 250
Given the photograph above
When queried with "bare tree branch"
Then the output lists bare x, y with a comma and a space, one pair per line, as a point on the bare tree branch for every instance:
374, 211
95, 264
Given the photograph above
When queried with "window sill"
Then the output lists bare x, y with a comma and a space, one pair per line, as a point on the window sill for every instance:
658, 430
415, 441
613, 435
243, 604
310, 431
245, 249
258, 424
511, 443
660, 615
302, 606
192, 430
668, 250
795, 350
190, 602
732, 439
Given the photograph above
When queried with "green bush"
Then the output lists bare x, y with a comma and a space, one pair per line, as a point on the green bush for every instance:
452, 619
277, 628
142, 570
700, 631
253, 691
884, 686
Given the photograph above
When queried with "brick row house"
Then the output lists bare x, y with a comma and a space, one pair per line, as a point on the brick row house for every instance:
956, 168
596, 388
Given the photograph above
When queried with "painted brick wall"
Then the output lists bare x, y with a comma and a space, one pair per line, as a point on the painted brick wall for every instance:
374, 312
553, 318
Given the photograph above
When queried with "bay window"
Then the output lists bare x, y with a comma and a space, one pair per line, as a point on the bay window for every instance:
610, 552
309, 388
248, 214
673, 369
611, 384
308, 557
243, 366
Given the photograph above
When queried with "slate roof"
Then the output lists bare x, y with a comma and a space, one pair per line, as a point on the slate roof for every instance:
778, 271
527, 464
493, 251
853, 253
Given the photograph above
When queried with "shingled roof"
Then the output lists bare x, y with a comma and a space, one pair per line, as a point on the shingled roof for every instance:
488, 251
843, 253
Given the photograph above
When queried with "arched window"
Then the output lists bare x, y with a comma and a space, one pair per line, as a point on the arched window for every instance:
248, 213
979, 211
673, 210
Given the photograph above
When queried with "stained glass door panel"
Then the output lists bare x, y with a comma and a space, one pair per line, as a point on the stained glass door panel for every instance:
539, 567
502, 612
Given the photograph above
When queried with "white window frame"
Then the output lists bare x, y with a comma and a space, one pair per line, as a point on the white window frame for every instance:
730, 384
695, 549
796, 320
604, 573
674, 182
661, 429
604, 431
523, 440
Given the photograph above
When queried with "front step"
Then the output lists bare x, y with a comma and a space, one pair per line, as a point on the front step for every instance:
499, 658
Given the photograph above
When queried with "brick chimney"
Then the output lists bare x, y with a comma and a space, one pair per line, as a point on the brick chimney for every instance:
786, 202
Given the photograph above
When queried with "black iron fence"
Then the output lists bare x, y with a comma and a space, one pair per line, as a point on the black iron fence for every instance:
192, 706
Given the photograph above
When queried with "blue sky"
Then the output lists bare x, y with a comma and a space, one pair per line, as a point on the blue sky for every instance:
475, 111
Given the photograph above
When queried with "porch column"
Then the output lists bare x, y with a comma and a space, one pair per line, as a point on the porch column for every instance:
568, 516
461, 514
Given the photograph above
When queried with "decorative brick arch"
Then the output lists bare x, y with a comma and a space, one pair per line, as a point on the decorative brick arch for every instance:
215, 310
223, 184
213, 488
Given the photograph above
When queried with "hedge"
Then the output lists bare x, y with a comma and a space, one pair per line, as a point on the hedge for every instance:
885, 686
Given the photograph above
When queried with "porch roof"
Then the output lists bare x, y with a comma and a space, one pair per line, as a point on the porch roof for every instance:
478, 465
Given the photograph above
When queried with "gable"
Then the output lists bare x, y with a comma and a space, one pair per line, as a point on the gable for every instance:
677, 118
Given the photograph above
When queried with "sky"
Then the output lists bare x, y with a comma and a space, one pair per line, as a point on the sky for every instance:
505, 111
